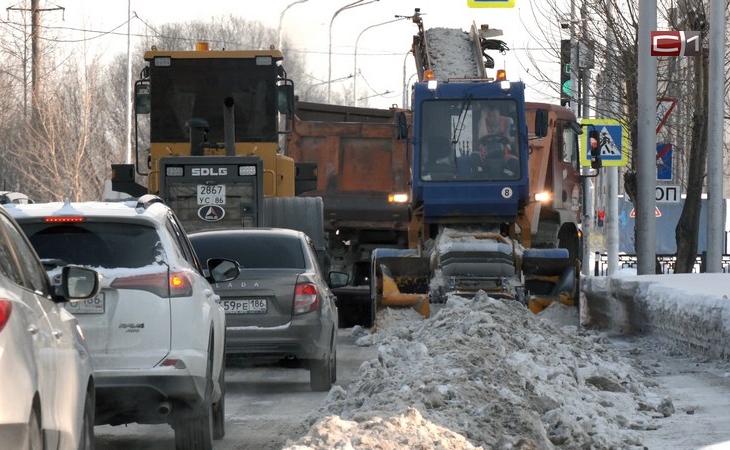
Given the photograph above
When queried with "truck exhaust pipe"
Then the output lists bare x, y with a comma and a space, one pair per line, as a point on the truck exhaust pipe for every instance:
229, 126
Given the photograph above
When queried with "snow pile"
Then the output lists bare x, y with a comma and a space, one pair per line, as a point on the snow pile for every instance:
485, 373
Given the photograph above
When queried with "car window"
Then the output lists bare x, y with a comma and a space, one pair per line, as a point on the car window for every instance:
315, 260
181, 238
34, 273
253, 252
8, 263
96, 244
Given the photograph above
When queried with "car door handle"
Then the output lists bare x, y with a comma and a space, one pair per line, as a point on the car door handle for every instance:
57, 334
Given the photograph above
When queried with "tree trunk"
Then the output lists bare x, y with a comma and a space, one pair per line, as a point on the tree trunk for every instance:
687, 230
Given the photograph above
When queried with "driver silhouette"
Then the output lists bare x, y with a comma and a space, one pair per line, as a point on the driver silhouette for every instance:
494, 156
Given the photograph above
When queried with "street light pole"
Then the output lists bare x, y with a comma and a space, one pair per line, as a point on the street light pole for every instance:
329, 70
281, 17
354, 83
404, 79
405, 86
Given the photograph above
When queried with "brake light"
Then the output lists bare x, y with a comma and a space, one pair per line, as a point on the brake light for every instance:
65, 219
6, 307
306, 298
176, 284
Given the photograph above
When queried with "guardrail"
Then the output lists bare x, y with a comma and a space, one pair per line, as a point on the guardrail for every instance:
665, 263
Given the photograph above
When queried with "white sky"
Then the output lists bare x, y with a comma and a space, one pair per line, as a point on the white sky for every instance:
383, 58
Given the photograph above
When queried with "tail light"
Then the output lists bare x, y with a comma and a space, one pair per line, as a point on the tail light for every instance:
6, 307
306, 298
174, 284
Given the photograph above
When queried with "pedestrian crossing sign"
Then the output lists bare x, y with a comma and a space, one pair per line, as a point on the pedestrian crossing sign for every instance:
610, 136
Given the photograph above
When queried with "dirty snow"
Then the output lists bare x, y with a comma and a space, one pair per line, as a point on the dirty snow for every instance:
451, 53
486, 374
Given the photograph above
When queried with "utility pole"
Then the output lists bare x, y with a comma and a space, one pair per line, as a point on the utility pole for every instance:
646, 160
35, 65
575, 106
611, 224
715, 133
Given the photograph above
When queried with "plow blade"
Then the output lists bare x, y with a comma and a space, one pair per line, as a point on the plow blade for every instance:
550, 275
400, 278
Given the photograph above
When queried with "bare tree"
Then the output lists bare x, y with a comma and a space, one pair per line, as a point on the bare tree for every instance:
65, 153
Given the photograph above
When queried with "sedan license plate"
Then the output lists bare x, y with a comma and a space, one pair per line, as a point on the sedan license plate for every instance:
90, 306
211, 194
249, 306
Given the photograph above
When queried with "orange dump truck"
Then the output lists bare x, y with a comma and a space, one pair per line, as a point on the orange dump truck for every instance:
356, 160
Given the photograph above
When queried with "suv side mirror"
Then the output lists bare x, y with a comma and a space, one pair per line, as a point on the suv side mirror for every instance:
222, 270
79, 283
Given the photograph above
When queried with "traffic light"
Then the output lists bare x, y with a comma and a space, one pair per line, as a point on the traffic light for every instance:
594, 142
565, 72
601, 217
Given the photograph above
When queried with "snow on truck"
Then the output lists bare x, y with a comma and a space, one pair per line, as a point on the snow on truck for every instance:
215, 120
493, 210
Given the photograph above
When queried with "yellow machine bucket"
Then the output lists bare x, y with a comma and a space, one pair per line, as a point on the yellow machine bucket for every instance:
400, 279
550, 276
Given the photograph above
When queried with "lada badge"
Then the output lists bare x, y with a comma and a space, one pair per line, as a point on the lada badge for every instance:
211, 213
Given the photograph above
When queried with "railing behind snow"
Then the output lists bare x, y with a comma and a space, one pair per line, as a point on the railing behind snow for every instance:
665, 263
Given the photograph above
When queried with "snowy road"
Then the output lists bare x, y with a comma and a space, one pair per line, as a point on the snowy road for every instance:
264, 407
478, 374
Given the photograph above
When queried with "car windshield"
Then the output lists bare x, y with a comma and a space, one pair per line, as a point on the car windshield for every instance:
252, 252
96, 244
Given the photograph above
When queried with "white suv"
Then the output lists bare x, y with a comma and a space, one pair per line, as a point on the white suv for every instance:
156, 331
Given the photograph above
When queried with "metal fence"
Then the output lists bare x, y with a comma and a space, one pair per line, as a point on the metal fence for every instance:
664, 263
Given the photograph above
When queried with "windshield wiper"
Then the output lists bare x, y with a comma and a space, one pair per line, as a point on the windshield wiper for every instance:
459, 126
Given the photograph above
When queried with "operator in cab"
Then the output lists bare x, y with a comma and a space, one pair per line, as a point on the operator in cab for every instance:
493, 156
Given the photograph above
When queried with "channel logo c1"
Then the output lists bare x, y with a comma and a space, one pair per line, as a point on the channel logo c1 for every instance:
676, 43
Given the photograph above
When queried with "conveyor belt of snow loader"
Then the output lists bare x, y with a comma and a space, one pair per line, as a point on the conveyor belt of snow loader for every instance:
453, 53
